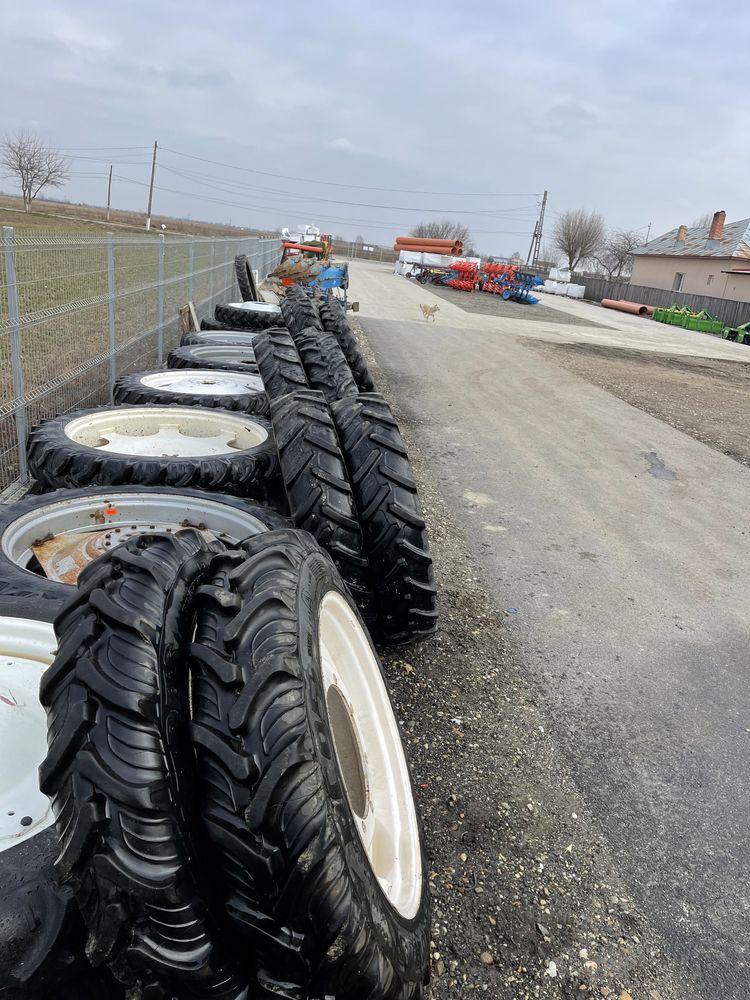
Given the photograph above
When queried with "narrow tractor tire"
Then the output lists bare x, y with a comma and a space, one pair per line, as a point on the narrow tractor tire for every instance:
325, 365
279, 363
300, 313
211, 326
56, 461
245, 281
131, 389
246, 319
335, 322
297, 883
318, 489
392, 524
119, 772
189, 357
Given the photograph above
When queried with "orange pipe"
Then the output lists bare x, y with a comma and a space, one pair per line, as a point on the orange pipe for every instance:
622, 305
407, 241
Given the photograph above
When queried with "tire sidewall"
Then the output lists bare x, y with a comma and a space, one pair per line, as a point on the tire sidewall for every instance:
404, 941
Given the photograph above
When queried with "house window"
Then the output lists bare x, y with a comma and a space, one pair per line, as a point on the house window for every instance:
710, 279
679, 281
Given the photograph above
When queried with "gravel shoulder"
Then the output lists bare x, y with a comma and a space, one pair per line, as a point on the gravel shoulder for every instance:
527, 901
707, 398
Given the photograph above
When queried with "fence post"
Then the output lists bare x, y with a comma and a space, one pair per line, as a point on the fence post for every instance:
162, 252
16, 357
211, 279
111, 314
190, 269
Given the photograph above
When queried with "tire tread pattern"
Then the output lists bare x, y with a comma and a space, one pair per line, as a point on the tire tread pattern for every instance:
325, 365
334, 321
245, 319
279, 363
391, 517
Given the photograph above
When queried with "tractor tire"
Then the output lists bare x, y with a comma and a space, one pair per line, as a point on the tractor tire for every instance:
116, 514
279, 363
283, 800
213, 357
242, 338
318, 489
196, 387
253, 316
334, 321
211, 326
66, 454
300, 313
392, 523
325, 365
245, 281
42, 936
120, 772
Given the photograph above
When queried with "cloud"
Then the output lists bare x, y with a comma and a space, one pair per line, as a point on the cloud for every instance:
341, 143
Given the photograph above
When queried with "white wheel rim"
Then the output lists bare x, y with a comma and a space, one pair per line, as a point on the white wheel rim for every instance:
370, 755
166, 431
260, 307
66, 535
201, 382
26, 650
225, 354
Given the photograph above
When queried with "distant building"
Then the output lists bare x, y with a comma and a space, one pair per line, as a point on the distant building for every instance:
703, 260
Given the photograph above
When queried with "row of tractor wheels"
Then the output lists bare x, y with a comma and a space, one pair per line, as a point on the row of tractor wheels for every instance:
198, 583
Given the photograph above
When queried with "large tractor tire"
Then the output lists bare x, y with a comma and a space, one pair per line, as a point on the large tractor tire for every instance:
325, 365
214, 357
334, 321
248, 316
191, 447
309, 803
242, 391
120, 773
300, 312
279, 363
392, 524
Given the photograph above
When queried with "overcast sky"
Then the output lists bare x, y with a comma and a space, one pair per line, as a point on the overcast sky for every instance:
638, 110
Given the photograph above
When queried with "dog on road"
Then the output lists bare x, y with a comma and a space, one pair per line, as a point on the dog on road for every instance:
429, 312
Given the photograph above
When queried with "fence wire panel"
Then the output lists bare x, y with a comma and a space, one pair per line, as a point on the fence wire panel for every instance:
78, 310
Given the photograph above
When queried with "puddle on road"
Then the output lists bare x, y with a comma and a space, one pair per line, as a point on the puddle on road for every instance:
657, 468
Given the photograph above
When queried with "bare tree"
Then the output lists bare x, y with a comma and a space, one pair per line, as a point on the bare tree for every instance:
578, 234
443, 229
703, 221
615, 256
33, 164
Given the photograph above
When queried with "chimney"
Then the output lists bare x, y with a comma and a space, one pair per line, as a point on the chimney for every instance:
717, 226
682, 234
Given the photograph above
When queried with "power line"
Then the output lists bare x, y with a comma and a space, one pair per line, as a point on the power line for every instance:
275, 208
358, 187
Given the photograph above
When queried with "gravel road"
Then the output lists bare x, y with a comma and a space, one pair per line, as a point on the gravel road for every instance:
593, 562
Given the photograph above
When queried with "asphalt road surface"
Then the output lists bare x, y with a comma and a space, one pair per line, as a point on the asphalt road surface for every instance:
620, 546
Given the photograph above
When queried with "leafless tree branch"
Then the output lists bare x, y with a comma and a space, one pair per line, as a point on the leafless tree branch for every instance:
34, 165
578, 234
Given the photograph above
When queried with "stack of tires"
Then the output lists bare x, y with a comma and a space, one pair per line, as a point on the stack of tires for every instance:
221, 552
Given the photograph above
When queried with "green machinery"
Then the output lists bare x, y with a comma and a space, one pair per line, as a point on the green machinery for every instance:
703, 322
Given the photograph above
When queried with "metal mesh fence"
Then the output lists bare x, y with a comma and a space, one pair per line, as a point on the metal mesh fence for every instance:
77, 310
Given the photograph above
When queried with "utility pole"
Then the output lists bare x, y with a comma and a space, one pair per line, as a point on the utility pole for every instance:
536, 239
109, 191
648, 234
151, 190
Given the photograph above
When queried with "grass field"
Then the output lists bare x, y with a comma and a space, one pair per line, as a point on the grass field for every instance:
63, 217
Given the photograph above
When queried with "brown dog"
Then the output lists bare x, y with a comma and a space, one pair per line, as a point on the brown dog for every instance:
429, 312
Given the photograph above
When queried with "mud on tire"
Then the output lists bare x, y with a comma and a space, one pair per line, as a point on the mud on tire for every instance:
119, 771
392, 524
298, 884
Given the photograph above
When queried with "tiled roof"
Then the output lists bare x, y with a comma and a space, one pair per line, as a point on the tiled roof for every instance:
734, 242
